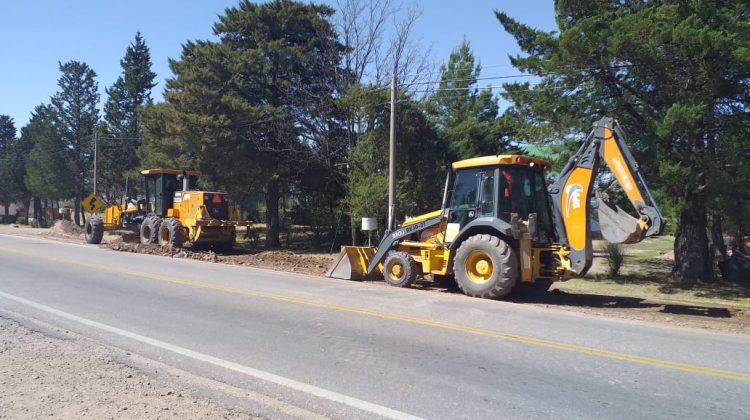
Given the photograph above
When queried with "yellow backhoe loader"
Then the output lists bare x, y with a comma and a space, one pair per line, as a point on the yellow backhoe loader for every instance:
171, 211
501, 227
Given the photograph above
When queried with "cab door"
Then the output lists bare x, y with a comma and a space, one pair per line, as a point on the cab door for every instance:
473, 195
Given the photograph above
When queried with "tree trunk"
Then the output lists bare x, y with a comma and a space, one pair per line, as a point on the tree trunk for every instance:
692, 260
27, 205
717, 236
77, 210
272, 214
38, 212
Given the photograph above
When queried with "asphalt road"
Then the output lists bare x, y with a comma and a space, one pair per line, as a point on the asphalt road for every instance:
349, 350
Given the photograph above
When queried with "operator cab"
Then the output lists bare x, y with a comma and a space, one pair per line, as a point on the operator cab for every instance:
498, 186
160, 186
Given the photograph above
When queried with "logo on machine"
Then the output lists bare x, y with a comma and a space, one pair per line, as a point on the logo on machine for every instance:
407, 230
573, 192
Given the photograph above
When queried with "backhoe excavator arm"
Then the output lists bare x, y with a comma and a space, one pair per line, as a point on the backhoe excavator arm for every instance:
571, 196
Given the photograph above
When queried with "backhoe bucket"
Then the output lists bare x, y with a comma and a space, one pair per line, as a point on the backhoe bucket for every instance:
618, 227
351, 263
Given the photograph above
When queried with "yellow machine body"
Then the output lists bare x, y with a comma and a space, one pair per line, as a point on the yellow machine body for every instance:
501, 224
193, 209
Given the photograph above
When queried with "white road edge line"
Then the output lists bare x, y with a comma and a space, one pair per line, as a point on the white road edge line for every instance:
259, 374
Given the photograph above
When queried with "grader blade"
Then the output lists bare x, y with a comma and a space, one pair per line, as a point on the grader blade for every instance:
618, 227
351, 263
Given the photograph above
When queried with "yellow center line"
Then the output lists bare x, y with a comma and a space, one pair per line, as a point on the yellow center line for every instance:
575, 348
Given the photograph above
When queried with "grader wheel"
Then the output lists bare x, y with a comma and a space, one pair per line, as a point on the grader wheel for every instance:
150, 230
485, 266
171, 233
94, 230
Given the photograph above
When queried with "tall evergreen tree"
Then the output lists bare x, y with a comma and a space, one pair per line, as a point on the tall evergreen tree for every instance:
465, 114
261, 95
130, 92
674, 73
77, 115
7, 139
49, 165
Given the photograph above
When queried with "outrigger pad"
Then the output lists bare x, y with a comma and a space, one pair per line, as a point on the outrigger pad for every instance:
351, 263
618, 227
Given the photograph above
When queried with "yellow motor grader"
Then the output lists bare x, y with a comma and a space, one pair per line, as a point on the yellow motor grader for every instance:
501, 227
171, 211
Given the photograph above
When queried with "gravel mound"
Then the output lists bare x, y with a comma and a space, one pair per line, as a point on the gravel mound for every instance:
66, 228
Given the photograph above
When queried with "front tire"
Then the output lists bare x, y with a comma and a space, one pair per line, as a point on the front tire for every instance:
171, 233
150, 230
94, 230
399, 269
485, 266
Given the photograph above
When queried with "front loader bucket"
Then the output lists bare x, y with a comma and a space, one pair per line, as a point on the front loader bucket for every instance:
351, 263
618, 227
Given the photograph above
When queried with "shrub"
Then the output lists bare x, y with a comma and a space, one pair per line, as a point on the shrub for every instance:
615, 258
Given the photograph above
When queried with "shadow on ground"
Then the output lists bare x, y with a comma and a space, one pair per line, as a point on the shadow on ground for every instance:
595, 301
560, 298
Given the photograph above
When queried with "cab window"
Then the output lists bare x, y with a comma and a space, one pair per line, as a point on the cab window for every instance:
464, 197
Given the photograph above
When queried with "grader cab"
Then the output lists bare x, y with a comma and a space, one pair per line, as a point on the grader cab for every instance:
170, 211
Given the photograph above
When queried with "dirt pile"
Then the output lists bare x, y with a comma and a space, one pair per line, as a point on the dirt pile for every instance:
66, 228
315, 264
119, 245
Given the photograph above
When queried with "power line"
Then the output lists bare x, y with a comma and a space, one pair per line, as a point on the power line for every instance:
471, 79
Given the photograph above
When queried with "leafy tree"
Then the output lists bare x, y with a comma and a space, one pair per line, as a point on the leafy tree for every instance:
464, 114
76, 116
130, 92
262, 94
421, 161
674, 73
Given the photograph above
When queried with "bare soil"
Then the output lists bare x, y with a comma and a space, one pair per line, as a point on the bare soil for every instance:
56, 374
281, 260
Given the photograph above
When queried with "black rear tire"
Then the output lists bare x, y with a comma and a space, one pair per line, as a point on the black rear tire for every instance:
399, 269
171, 233
150, 230
94, 230
485, 266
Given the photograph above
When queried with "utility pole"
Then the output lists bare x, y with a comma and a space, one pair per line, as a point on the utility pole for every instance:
95, 135
392, 159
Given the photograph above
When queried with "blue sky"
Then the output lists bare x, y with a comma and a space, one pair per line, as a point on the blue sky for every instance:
36, 35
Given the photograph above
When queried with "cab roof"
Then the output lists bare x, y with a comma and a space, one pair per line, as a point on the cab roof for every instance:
169, 172
501, 160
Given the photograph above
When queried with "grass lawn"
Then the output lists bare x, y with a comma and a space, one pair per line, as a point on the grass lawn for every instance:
646, 274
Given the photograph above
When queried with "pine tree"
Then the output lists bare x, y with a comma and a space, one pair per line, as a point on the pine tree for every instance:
465, 114
261, 95
76, 116
130, 93
49, 164
674, 73
7, 139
